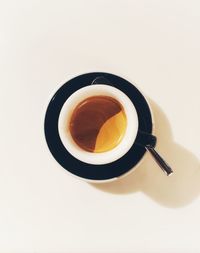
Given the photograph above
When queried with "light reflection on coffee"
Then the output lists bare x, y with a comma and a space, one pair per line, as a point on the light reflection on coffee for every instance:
98, 124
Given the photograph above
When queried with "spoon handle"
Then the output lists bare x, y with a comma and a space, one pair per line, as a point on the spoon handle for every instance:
148, 141
159, 160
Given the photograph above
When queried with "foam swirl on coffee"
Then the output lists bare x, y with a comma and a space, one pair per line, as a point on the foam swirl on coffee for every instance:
98, 124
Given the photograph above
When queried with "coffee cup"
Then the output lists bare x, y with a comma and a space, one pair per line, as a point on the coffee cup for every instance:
102, 157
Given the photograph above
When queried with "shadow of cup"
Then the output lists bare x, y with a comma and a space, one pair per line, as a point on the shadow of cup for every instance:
178, 190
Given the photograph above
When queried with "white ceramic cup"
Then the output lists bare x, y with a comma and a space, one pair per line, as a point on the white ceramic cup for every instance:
104, 157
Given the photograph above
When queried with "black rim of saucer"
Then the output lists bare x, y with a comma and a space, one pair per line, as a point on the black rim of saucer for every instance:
70, 163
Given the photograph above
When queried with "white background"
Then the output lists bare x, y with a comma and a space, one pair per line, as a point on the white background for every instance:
154, 43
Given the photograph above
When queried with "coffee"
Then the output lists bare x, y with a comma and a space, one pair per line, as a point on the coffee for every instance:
98, 124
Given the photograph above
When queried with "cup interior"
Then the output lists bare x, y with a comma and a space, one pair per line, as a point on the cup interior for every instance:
130, 132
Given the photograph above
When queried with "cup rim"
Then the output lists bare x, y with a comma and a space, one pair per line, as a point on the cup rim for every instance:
88, 172
128, 138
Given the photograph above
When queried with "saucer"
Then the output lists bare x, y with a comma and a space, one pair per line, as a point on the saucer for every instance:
69, 162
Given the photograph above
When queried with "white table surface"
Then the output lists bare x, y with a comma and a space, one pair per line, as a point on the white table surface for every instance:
155, 44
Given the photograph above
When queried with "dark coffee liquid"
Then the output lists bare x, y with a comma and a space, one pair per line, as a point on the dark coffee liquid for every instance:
98, 123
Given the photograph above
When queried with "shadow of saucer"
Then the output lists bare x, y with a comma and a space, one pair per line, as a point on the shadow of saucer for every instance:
178, 190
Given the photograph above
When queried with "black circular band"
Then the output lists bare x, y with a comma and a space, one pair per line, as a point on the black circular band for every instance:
77, 167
